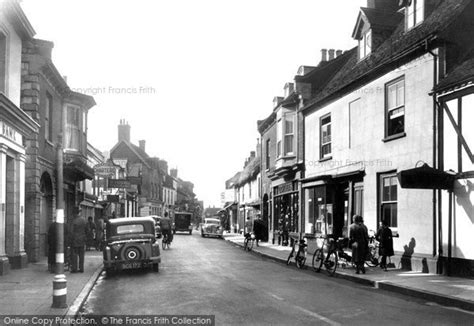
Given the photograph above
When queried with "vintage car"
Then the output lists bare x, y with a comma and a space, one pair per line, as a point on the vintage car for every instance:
131, 243
211, 227
182, 222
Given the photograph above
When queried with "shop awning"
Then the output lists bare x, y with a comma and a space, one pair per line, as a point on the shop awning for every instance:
426, 177
86, 203
229, 204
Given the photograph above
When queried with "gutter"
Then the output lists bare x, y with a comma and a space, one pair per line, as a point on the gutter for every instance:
434, 204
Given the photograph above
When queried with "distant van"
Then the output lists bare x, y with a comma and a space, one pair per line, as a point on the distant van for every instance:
182, 222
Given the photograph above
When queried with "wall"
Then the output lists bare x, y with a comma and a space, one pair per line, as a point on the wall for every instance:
358, 138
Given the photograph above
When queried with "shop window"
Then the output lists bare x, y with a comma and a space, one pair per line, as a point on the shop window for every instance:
415, 13
325, 136
389, 199
395, 110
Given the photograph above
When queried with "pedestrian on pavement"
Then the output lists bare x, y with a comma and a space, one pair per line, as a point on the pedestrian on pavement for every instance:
384, 237
91, 232
52, 244
77, 232
258, 229
359, 240
100, 233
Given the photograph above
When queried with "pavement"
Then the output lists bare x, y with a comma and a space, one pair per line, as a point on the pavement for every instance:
29, 291
447, 291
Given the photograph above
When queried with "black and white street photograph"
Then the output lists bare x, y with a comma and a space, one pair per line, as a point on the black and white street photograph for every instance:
224, 162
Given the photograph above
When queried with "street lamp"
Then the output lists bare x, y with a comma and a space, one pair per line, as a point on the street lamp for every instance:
59, 281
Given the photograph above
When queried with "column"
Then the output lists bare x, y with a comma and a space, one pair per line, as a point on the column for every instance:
4, 263
16, 200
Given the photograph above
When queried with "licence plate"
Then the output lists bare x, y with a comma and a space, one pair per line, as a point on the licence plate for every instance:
132, 265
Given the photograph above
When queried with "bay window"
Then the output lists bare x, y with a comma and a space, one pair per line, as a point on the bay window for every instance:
73, 139
286, 135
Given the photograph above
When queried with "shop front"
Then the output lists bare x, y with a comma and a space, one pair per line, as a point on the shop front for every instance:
285, 212
14, 126
330, 201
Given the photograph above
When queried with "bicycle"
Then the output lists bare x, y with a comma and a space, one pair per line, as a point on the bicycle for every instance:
249, 241
335, 253
372, 259
166, 242
300, 257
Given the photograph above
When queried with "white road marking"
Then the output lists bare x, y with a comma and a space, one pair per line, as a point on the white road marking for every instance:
308, 312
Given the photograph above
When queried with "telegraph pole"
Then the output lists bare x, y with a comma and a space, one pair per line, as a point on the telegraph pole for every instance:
59, 282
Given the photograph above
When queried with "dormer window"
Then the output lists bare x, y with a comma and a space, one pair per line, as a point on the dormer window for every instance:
365, 44
415, 13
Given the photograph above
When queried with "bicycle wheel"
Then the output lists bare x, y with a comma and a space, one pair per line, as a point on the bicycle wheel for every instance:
300, 260
164, 242
331, 263
250, 244
318, 258
246, 243
288, 260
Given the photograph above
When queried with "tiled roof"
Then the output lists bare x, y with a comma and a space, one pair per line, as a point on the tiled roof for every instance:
461, 74
354, 73
377, 17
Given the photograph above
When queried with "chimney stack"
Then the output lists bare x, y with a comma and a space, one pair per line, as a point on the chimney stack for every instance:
174, 173
338, 53
324, 55
331, 54
141, 143
252, 154
123, 131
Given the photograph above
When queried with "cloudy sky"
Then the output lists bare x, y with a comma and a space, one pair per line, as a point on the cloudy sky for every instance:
191, 77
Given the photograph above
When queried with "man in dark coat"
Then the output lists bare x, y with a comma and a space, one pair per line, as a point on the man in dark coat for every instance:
258, 229
77, 231
384, 236
359, 239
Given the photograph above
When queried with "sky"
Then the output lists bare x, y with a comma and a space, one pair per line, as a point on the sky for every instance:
191, 77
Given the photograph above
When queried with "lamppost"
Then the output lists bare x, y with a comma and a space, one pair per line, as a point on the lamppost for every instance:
59, 281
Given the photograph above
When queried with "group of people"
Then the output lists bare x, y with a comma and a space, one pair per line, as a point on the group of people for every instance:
79, 236
359, 242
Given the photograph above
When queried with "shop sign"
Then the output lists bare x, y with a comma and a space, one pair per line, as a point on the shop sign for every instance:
105, 169
119, 183
286, 187
135, 180
113, 198
9, 132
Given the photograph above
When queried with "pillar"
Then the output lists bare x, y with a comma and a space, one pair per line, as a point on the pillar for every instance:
4, 263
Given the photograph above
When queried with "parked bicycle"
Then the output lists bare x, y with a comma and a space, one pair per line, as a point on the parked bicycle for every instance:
249, 241
335, 255
300, 257
373, 256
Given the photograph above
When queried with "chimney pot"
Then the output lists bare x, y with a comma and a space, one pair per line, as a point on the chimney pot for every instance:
338, 53
331, 54
324, 55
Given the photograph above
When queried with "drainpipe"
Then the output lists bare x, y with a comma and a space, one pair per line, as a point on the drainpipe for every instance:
436, 232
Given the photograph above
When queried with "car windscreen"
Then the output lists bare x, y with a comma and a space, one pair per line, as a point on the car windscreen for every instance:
130, 228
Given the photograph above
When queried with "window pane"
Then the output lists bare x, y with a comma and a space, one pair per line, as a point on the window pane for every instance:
289, 126
288, 144
394, 218
387, 213
410, 14
419, 11
386, 189
392, 96
401, 93
396, 125
368, 42
393, 189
